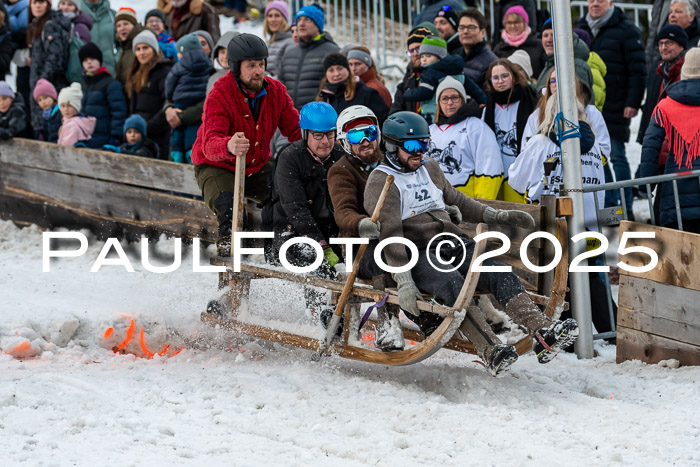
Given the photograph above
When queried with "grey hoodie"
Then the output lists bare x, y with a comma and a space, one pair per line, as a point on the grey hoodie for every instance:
220, 71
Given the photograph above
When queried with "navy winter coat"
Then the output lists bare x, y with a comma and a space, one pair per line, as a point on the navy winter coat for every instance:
144, 148
103, 98
477, 62
619, 44
53, 124
686, 92
149, 104
186, 83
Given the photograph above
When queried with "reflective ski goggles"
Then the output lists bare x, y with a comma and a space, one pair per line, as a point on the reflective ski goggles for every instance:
370, 133
413, 146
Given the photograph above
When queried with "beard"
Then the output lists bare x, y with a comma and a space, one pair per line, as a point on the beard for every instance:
253, 86
371, 159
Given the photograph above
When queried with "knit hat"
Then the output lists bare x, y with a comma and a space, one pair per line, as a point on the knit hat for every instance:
146, 37
207, 37
137, 123
420, 32
517, 10
691, 65
449, 14
522, 59
450, 83
44, 88
360, 55
315, 13
674, 33
155, 12
583, 35
90, 50
335, 58
547, 25
128, 14
72, 95
435, 46
187, 43
6, 90
282, 7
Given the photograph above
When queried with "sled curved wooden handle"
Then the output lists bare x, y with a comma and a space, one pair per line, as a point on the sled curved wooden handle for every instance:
335, 321
238, 198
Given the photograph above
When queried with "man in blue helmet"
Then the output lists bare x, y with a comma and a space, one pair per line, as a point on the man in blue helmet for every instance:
298, 197
416, 209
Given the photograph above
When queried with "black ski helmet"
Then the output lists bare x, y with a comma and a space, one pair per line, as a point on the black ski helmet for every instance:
400, 127
245, 47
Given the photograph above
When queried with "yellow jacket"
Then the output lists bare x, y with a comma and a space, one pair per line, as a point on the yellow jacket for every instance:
599, 71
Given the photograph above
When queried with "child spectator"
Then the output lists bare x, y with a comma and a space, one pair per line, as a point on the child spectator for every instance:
219, 57
46, 97
13, 119
155, 21
436, 64
82, 23
75, 128
135, 141
185, 86
103, 98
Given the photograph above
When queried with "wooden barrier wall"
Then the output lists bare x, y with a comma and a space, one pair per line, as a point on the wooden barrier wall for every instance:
112, 194
659, 311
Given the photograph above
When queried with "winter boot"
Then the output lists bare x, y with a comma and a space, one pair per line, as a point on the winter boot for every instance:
223, 246
523, 311
549, 341
327, 316
427, 322
497, 357
389, 333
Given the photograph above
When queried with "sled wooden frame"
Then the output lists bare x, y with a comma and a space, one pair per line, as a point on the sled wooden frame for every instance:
238, 284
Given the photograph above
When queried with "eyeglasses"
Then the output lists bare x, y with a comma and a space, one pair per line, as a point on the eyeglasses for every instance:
413, 51
414, 146
502, 77
513, 23
665, 43
154, 21
319, 136
446, 99
357, 135
470, 28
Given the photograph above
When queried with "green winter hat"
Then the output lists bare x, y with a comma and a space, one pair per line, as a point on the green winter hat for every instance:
188, 43
435, 46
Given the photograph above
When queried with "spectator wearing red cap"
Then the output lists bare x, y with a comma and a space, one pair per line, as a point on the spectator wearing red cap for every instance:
517, 35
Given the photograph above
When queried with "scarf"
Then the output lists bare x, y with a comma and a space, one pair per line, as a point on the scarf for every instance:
597, 24
518, 40
681, 129
509, 96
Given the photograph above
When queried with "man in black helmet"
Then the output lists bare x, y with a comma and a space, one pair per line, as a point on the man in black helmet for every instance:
241, 114
416, 210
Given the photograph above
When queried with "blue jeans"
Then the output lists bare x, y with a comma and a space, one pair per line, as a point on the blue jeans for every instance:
618, 158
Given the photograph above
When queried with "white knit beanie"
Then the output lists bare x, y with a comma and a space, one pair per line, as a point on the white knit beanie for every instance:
450, 83
520, 57
72, 95
691, 64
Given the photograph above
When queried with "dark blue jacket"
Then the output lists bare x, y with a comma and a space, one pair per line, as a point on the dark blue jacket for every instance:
686, 92
477, 62
53, 124
144, 148
431, 76
186, 83
619, 44
13, 122
103, 98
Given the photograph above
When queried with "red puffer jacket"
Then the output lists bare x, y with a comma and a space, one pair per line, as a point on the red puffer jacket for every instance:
226, 112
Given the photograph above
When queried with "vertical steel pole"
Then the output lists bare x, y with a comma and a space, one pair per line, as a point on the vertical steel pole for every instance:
571, 158
377, 18
382, 13
491, 20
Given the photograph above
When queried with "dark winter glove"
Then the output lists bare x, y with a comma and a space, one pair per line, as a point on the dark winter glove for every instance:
408, 293
513, 217
109, 147
455, 214
5, 135
368, 229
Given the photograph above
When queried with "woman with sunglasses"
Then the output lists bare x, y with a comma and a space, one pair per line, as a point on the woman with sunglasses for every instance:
339, 88
463, 145
510, 102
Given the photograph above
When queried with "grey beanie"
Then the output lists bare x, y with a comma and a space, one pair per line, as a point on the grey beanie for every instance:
207, 37
360, 55
450, 83
145, 37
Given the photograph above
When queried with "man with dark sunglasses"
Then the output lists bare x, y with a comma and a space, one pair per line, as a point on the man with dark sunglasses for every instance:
416, 209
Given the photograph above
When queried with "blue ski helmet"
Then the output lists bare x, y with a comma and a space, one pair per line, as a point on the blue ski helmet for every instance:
317, 116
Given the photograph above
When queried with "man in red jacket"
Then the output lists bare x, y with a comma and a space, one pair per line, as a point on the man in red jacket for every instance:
241, 114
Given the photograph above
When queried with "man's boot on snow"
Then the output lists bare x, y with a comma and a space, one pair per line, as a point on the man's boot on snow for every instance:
497, 357
224, 214
389, 333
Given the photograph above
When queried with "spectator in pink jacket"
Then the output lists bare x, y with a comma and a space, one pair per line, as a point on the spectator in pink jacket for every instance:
75, 128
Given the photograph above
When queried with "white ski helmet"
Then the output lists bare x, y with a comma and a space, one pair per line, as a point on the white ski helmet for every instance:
351, 114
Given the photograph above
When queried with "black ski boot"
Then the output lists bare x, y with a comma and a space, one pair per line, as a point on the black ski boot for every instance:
549, 341
327, 316
501, 358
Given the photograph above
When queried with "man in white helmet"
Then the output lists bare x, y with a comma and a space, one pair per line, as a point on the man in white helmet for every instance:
359, 134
